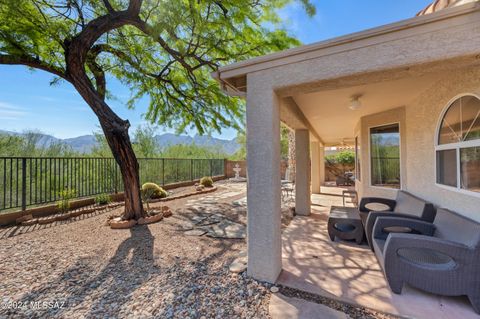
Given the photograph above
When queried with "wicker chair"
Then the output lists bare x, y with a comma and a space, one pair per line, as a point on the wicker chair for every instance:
405, 205
444, 258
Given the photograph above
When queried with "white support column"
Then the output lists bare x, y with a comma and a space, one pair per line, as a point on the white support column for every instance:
302, 176
321, 156
315, 151
263, 194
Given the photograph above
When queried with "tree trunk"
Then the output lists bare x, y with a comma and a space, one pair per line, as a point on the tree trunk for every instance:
116, 132
122, 151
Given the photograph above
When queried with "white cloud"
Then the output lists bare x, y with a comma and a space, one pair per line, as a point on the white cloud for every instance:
10, 111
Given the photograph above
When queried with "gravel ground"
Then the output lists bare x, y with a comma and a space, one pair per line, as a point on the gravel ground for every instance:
353, 311
86, 270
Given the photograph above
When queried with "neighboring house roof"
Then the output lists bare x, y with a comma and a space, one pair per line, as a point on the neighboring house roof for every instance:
442, 4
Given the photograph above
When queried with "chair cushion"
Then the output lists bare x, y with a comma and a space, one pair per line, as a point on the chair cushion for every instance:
454, 227
409, 204
427, 258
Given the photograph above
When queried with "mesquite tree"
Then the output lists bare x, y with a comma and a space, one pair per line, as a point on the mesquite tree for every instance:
163, 50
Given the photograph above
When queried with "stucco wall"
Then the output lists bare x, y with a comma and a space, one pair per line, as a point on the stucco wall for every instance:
418, 124
423, 116
396, 115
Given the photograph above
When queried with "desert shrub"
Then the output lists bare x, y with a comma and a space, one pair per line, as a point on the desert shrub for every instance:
206, 181
154, 190
103, 199
65, 196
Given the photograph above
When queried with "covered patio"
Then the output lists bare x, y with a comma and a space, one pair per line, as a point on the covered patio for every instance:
350, 273
398, 78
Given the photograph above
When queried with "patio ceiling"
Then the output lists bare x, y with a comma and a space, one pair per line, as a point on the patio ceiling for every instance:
328, 110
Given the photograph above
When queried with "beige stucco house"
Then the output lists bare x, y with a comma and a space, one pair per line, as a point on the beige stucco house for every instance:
407, 94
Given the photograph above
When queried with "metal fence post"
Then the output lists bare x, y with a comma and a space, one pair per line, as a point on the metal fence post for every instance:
211, 168
191, 169
225, 171
24, 184
163, 172
116, 177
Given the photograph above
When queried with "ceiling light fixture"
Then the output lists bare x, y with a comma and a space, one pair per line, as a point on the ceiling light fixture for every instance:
355, 103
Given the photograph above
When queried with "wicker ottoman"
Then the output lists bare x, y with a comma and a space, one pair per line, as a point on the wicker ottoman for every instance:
345, 223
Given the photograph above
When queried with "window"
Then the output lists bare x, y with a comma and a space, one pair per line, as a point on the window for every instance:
358, 172
385, 156
458, 145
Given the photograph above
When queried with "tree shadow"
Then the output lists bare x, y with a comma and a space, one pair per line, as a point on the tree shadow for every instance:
130, 267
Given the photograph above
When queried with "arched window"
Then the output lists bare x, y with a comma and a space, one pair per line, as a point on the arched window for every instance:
458, 145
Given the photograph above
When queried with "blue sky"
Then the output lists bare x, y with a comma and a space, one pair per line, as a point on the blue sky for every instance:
27, 101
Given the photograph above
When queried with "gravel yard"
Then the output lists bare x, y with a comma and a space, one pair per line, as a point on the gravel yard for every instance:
84, 269
177, 268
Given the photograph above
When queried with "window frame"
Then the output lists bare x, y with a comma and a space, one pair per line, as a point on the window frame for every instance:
370, 184
358, 159
453, 146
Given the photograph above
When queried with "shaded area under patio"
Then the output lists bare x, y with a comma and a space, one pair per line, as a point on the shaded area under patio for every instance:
350, 273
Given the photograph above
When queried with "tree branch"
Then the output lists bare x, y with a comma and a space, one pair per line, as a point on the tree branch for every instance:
32, 62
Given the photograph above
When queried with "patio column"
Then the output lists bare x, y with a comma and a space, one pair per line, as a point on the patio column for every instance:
302, 172
315, 151
321, 156
263, 193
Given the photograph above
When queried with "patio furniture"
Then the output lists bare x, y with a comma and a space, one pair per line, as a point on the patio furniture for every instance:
444, 258
345, 223
405, 205
350, 194
288, 188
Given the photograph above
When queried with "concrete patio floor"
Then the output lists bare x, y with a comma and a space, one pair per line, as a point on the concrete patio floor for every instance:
350, 273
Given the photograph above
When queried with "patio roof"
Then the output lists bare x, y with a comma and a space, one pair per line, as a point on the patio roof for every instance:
233, 76
388, 66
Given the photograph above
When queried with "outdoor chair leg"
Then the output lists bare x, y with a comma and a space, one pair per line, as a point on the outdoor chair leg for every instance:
395, 285
475, 301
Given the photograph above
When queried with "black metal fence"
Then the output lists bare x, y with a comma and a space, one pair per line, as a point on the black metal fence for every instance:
386, 171
28, 181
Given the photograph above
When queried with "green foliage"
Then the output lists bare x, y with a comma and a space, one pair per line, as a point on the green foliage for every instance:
206, 181
103, 199
144, 143
164, 55
29, 144
241, 139
191, 151
66, 196
343, 158
154, 190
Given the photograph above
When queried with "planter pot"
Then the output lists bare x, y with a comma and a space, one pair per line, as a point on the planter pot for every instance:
122, 224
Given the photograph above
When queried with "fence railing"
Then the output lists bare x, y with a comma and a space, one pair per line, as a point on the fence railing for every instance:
28, 181
386, 171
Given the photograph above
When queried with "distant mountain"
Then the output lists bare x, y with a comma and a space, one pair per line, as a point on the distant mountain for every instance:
85, 143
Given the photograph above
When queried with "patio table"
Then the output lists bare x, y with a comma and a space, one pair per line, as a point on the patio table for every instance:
345, 223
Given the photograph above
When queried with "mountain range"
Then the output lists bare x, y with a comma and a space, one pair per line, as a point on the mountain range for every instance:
85, 143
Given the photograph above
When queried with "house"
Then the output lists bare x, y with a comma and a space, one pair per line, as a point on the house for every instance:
407, 93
